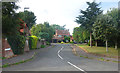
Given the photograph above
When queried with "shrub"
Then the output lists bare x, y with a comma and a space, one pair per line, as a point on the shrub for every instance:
33, 42
47, 43
17, 43
71, 42
42, 46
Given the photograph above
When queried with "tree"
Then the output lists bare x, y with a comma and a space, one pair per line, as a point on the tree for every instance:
44, 35
28, 17
88, 17
116, 31
43, 28
80, 34
9, 18
103, 28
67, 38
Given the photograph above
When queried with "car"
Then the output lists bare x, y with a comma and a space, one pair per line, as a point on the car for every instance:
75, 42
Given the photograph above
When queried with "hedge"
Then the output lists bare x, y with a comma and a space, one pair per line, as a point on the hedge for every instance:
42, 46
17, 43
33, 42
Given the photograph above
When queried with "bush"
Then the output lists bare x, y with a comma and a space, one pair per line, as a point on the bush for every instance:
33, 42
42, 46
17, 43
71, 42
47, 43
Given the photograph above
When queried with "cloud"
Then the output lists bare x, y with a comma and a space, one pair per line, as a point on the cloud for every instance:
57, 11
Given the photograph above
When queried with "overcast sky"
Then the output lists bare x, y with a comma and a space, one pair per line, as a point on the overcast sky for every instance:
61, 12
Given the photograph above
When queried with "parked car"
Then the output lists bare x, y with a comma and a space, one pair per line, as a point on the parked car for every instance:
75, 42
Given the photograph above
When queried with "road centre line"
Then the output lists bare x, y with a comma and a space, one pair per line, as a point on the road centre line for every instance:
76, 67
70, 62
59, 53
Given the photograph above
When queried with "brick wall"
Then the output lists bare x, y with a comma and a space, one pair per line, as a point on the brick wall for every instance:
5, 45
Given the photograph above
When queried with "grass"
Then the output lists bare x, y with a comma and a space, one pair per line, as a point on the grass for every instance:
112, 53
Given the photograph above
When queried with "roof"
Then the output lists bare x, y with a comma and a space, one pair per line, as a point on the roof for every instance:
62, 32
55, 37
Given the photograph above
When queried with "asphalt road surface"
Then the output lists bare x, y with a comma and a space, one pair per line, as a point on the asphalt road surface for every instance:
61, 58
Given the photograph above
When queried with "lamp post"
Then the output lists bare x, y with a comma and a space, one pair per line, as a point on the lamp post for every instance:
24, 17
27, 45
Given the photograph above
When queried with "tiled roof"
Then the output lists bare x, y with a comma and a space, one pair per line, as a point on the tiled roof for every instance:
62, 32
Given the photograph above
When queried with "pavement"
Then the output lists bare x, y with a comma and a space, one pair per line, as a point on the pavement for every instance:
61, 58
26, 56
80, 52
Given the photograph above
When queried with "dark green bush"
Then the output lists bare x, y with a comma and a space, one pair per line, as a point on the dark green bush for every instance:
47, 43
33, 42
42, 46
17, 43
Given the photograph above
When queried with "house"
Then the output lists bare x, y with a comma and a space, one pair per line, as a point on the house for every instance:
59, 35
24, 30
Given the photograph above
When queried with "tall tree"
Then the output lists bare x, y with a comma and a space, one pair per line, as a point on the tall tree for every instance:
9, 18
116, 32
28, 17
103, 28
88, 17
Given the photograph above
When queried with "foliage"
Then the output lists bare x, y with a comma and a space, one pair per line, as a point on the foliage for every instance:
43, 29
93, 43
103, 26
80, 34
116, 26
42, 46
44, 35
47, 43
67, 38
28, 17
88, 17
33, 42
17, 43
57, 27
9, 17
71, 42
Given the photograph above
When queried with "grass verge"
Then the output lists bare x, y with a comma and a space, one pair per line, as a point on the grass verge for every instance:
101, 51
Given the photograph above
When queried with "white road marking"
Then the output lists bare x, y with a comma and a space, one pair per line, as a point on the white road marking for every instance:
60, 57
59, 53
76, 67
70, 62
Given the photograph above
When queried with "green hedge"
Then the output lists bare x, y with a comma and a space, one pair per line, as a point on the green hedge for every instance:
47, 43
33, 42
42, 46
17, 43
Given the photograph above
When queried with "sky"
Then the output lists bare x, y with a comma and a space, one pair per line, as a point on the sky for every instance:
61, 12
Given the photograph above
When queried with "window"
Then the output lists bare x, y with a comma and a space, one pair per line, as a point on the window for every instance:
59, 35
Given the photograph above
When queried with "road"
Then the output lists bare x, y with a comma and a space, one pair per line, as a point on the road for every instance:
61, 58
